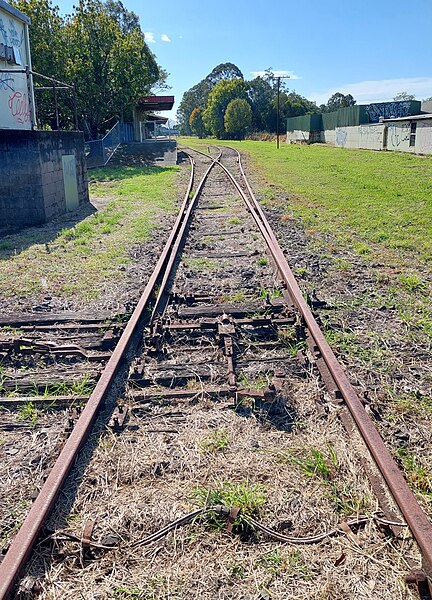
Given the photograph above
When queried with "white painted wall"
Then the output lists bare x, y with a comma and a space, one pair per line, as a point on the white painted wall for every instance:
329, 136
297, 136
424, 137
369, 137
398, 138
15, 105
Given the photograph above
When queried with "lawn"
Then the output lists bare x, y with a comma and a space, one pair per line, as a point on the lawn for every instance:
80, 261
373, 205
366, 199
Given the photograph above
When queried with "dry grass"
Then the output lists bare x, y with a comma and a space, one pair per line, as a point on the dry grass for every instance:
140, 481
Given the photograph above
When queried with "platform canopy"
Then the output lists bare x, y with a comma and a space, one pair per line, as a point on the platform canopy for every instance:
152, 103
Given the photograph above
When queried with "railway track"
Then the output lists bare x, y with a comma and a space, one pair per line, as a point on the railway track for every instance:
231, 365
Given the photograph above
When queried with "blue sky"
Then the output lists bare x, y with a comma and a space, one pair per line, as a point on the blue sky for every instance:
370, 49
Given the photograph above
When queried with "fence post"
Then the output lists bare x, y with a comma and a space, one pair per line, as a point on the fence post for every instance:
30, 97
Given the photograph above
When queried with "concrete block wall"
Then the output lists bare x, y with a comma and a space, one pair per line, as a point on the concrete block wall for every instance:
369, 137
32, 189
398, 137
298, 136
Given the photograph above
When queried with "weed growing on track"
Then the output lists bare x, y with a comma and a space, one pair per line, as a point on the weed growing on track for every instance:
215, 441
245, 495
312, 462
201, 264
28, 413
82, 259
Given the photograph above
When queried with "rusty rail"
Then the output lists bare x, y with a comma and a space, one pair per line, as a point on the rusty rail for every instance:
23, 542
416, 519
41, 508
418, 522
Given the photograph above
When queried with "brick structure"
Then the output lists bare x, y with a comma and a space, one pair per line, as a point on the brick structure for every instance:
42, 175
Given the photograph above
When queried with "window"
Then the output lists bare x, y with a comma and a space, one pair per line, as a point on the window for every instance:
413, 130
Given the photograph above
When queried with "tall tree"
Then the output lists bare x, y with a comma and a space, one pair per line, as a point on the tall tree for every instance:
261, 95
196, 122
339, 100
218, 100
403, 96
238, 118
197, 95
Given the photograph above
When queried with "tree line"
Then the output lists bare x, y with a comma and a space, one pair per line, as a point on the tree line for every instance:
100, 48
225, 105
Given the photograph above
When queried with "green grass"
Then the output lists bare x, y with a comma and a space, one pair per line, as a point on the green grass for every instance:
201, 265
28, 413
383, 197
418, 476
247, 496
215, 441
82, 260
312, 462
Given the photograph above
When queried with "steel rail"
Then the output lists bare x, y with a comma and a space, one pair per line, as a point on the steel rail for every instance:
179, 240
418, 522
23, 542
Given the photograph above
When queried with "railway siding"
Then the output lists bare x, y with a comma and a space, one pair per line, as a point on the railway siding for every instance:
227, 406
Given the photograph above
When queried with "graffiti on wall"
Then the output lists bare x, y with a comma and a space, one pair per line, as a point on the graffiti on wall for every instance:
11, 36
19, 107
6, 82
398, 134
387, 110
341, 137
15, 105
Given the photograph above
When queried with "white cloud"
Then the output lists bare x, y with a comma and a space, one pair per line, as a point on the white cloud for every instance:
382, 90
149, 37
165, 38
289, 74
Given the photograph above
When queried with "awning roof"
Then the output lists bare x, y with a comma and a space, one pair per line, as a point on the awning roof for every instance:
152, 103
410, 118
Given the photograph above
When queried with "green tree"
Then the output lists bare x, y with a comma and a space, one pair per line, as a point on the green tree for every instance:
196, 122
218, 100
338, 100
111, 69
261, 95
197, 95
99, 48
238, 118
403, 96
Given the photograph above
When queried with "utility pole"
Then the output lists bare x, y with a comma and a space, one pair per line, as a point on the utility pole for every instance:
278, 79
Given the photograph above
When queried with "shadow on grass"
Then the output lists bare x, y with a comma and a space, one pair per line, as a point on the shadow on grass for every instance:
120, 173
13, 243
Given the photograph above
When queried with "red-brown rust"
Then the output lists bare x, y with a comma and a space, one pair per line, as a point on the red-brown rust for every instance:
24, 540
418, 522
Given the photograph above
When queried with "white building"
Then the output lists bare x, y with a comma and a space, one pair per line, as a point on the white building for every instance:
17, 108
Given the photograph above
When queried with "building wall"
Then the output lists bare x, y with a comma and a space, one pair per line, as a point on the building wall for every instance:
399, 134
361, 136
15, 102
328, 136
42, 175
298, 136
